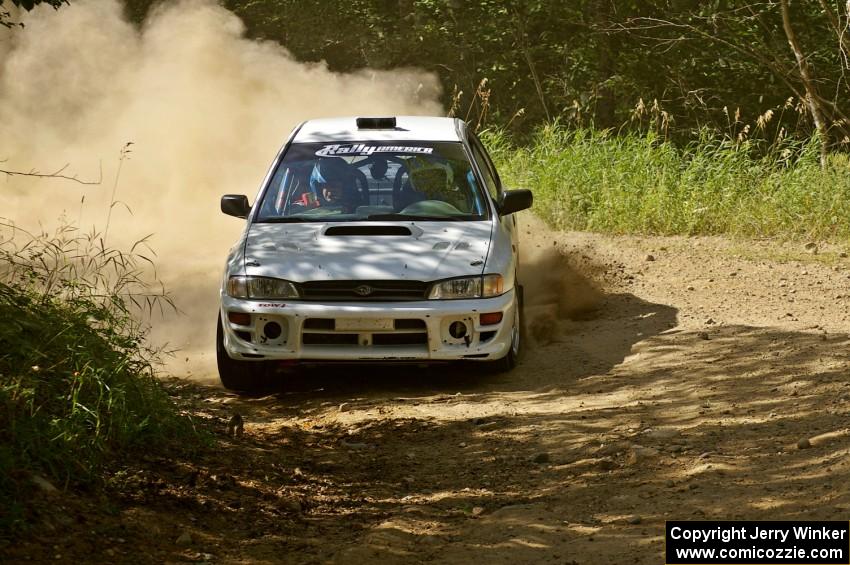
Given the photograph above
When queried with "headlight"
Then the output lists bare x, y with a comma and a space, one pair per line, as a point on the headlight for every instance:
468, 287
260, 287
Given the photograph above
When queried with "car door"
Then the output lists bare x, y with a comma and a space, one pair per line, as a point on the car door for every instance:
504, 250
493, 185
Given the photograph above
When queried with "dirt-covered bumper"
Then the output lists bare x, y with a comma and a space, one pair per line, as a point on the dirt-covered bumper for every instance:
427, 330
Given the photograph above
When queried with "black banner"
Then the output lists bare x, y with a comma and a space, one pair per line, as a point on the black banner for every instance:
757, 543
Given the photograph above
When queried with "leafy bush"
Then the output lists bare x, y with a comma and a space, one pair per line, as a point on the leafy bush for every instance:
587, 179
77, 386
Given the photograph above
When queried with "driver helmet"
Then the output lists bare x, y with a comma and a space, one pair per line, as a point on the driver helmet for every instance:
435, 180
378, 168
331, 170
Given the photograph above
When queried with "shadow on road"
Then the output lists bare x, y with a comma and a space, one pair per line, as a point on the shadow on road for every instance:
617, 424
589, 460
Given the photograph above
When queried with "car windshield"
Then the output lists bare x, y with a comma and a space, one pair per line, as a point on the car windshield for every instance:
373, 181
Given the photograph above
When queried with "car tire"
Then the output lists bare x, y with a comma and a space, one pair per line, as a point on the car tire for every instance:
239, 376
509, 361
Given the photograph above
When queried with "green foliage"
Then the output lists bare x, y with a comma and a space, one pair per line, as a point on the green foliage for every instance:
76, 381
30, 4
588, 179
585, 63
594, 59
5, 15
462, 42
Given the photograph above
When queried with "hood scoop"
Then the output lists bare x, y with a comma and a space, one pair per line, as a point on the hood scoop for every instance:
368, 230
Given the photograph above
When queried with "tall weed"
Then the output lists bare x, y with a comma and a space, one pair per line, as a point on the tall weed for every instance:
77, 385
635, 182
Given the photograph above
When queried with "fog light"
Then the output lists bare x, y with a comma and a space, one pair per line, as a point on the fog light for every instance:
272, 330
239, 318
491, 318
457, 330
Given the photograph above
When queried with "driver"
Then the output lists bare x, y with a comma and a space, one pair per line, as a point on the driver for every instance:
378, 168
332, 193
333, 183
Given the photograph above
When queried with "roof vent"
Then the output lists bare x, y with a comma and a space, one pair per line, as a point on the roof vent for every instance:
376, 123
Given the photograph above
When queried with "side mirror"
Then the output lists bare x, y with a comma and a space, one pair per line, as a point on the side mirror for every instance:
235, 205
514, 201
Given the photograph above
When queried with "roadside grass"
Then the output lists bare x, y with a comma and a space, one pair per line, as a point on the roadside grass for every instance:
592, 180
77, 385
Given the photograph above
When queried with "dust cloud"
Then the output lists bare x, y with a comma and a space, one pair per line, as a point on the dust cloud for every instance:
557, 286
205, 108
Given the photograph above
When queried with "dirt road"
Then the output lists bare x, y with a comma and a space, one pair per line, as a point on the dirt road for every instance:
704, 378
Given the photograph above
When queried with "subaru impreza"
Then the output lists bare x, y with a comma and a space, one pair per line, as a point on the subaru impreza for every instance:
379, 240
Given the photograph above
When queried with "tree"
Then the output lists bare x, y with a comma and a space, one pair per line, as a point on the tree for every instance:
587, 61
5, 15
741, 50
813, 99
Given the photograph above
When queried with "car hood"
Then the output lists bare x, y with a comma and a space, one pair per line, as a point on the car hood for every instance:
421, 251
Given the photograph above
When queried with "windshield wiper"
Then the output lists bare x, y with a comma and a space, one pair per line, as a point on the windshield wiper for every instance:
415, 217
283, 220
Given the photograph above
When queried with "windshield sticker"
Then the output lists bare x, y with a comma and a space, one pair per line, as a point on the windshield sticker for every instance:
361, 149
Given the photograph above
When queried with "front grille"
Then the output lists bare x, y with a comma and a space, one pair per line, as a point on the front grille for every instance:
411, 324
405, 332
400, 339
383, 290
319, 324
329, 339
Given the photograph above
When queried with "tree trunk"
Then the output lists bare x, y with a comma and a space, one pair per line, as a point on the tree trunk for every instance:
606, 102
841, 34
536, 79
812, 99
522, 42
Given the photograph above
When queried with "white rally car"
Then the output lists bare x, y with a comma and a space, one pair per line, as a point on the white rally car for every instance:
374, 240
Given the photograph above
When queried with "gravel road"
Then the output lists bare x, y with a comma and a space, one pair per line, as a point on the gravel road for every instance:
664, 378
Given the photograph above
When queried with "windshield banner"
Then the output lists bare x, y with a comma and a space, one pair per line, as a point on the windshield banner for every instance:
362, 149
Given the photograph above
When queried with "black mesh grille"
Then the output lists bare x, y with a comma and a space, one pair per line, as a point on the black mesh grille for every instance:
319, 324
404, 324
399, 339
329, 339
364, 290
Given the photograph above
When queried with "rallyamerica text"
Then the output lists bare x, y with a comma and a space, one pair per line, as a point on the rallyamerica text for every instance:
726, 534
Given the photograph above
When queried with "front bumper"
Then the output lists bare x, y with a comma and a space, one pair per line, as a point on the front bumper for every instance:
366, 331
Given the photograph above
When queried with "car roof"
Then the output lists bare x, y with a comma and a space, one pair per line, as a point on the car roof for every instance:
408, 128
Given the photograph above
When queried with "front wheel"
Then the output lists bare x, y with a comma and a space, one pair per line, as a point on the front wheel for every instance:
510, 360
241, 376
